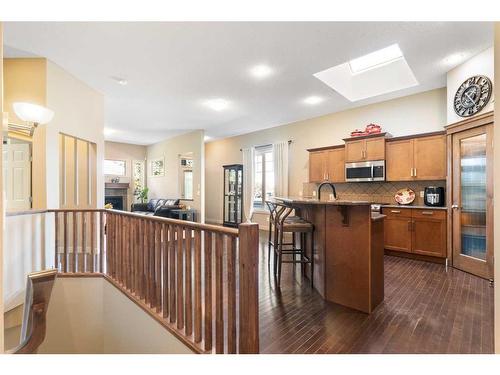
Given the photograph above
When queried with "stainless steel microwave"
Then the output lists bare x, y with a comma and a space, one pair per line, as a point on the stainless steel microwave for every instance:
365, 171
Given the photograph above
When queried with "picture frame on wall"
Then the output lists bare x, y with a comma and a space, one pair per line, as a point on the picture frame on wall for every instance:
157, 167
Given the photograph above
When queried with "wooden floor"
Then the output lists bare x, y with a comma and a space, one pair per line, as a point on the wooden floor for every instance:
426, 310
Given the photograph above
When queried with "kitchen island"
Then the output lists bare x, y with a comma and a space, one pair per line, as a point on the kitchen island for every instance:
348, 250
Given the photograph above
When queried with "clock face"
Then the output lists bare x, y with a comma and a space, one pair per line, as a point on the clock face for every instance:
472, 96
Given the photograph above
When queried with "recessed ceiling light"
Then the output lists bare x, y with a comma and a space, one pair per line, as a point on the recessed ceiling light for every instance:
108, 131
120, 81
261, 71
313, 100
375, 59
217, 104
207, 138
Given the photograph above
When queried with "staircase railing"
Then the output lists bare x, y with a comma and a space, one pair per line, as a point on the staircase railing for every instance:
38, 291
199, 281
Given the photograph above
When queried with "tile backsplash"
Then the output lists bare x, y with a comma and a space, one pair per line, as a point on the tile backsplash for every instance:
380, 192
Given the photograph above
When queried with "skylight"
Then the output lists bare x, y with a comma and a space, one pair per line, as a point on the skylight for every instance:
377, 73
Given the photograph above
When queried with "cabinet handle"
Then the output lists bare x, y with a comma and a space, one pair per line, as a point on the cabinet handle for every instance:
415, 174
427, 213
411, 172
395, 211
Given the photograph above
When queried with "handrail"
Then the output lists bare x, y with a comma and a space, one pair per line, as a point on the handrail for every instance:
189, 276
25, 212
38, 291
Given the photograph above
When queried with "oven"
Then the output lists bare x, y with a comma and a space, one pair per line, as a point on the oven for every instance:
365, 171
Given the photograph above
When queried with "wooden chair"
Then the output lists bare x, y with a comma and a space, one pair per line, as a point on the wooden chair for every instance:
284, 223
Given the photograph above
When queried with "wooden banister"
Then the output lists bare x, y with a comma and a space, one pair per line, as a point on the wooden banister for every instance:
38, 291
199, 281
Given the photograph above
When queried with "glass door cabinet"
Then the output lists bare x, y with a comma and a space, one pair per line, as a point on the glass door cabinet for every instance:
233, 195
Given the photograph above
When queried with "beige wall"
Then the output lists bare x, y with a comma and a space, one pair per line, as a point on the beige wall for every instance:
481, 63
420, 113
168, 185
89, 315
79, 112
496, 193
1, 200
128, 153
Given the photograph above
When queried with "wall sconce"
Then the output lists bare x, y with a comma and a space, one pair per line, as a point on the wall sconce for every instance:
32, 114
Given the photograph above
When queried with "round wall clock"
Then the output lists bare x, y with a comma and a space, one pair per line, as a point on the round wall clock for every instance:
472, 96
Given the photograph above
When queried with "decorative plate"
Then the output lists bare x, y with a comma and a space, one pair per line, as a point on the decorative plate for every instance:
405, 196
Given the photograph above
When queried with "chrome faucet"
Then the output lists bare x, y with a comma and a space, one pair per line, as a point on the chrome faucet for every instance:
326, 183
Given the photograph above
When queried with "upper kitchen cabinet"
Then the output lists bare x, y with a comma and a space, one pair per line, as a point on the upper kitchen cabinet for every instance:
417, 158
327, 164
369, 148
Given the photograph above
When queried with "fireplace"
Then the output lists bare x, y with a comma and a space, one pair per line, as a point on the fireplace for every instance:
115, 200
117, 195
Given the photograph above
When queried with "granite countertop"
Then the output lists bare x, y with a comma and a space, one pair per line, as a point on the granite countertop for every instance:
338, 202
413, 206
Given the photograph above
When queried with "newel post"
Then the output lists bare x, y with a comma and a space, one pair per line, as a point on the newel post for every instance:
249, 288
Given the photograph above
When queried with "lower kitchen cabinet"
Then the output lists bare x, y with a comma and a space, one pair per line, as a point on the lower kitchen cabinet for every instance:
417, 231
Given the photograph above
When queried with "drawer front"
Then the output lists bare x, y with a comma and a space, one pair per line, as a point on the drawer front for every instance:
429, 214
396, 212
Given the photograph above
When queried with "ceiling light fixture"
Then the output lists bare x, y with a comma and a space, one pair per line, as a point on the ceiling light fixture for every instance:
261, 71
217, 104
313, 100
375, 59
120, 81
32, 114
108, 131
454, 59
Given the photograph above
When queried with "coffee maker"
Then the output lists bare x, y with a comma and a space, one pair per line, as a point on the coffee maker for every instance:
434, 196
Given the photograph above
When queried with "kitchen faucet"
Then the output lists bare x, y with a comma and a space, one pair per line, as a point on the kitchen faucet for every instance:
326, 183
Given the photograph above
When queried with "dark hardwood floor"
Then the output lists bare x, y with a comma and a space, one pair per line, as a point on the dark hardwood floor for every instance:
426, 310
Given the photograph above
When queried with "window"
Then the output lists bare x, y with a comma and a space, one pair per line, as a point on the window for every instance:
114, 167
263, 176
187, 189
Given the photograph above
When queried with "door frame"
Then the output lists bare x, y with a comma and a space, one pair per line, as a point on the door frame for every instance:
482, 124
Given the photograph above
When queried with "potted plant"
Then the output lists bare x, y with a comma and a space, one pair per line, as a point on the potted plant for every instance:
142, 194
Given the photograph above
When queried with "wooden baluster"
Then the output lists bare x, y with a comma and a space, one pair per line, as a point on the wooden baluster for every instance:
249, 288
141, 239
208, 290
56, 245
125, 267
180, 278
92, 239
231, 294
138, 252
157, 248
152, 270
219, 306
133, 271
188, 283
101, 241
164, 256
66, 239
116, 248
197, 286
75, 241
109, 242
172, 286
82, 260
146, 262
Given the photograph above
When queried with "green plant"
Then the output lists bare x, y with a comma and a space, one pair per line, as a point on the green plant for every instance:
142, 194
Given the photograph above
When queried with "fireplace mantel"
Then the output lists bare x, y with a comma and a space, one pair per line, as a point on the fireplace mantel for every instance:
119, 185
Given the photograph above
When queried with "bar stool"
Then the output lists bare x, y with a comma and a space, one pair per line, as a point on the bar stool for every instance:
285, 223
275, 212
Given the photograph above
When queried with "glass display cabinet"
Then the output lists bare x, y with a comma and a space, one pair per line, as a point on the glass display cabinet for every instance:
233, 195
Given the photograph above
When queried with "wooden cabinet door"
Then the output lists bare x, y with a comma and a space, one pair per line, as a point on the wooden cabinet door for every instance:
399, 160
429, 232
375, 149
430, 158
355, 151
317, 166
335, 166
397, 229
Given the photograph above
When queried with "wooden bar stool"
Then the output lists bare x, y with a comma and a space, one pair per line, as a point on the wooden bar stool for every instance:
294, 225
275, 212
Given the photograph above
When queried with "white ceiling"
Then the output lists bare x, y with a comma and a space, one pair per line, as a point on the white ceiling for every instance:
172, 68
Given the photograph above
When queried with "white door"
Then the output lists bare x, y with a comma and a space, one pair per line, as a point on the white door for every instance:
17, 176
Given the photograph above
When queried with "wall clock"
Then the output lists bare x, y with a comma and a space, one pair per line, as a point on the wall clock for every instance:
472, 96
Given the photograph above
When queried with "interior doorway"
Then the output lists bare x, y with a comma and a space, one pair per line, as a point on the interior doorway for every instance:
16, 156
